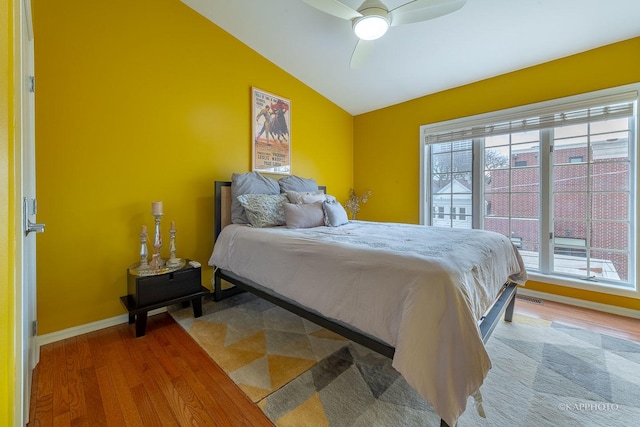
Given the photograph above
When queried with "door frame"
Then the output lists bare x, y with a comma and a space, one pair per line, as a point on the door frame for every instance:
26, 346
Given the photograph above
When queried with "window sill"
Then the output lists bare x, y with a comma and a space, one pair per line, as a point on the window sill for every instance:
605, 288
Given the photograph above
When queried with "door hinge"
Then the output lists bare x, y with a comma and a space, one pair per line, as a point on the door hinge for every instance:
34, 328
32, 84
551, 236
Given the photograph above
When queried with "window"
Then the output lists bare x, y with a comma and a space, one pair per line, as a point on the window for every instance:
462, 216
560, 175
451, 181
576, 159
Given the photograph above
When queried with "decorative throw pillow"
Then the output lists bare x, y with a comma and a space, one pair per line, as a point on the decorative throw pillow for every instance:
295, 183
264, 210
334, 214
249, 183
305, 196
303, 215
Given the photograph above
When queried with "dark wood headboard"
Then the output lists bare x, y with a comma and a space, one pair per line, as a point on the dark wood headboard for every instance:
222, 200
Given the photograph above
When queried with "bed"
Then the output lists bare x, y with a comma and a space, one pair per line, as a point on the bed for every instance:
426, 297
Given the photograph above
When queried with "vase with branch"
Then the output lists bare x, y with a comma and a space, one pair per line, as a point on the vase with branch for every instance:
353, 204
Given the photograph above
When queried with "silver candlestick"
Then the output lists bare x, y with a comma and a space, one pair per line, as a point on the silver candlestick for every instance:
173, 261
156, 261
144, 253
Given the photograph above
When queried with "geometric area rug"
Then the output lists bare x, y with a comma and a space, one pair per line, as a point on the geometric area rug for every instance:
299, 374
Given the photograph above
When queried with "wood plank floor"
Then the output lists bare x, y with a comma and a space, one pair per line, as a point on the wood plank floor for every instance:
111, 378
597, 321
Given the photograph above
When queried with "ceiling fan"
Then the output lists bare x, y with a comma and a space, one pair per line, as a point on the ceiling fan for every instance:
372, 19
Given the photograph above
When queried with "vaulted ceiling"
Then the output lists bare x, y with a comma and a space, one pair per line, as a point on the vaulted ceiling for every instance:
484, 38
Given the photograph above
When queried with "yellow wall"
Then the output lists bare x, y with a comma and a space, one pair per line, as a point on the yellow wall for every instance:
146, 100
139, 101
7, 296
386, 141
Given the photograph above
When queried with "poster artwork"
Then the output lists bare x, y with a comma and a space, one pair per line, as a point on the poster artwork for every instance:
271, 138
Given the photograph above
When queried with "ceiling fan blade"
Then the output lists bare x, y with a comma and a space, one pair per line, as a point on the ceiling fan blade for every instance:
362, 52
422, 10
335, 8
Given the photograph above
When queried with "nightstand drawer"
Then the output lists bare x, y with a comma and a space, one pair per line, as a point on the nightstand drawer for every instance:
147, 290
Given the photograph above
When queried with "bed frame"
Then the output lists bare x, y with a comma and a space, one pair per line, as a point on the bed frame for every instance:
504, 303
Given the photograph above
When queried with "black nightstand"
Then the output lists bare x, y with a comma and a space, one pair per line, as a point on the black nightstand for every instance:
147, 293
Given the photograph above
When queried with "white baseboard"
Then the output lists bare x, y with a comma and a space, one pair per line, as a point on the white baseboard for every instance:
620, 311
89, 327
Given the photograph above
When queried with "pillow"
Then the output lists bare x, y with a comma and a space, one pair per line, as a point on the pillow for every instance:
264, 210
249, 183
305, 197
334, 214
304, 215
295, 183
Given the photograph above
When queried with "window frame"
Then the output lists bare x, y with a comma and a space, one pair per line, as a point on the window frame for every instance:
546, 191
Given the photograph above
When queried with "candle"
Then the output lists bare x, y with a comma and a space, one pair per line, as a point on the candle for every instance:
144, 228
156, 208
173, 225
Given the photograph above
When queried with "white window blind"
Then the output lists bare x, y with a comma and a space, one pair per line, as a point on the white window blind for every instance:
604, 108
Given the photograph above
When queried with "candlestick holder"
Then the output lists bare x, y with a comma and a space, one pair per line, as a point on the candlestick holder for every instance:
157, 262
157, 265
173, 261
144, 253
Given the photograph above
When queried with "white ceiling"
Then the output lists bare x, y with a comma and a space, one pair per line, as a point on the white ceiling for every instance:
485, 38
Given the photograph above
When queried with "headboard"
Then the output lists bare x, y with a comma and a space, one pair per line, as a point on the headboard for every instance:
222, 200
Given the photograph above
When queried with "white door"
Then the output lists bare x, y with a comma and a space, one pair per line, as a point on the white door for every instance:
27, 350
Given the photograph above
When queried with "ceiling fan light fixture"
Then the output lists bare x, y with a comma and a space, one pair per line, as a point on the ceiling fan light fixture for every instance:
370, 27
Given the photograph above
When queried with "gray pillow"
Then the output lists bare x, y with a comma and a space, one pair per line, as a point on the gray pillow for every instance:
303, 215
249, 183
305, 196
334, 214
264, 210
295, 183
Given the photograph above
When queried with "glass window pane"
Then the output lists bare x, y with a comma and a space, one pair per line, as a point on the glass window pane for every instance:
570, 131
496, 158
527, 231
609, 235
610, 176
610, 148
443, 220
497, 204
517, 138
564, 230
570, 178
525, 180
572, 261
570, 205
525, 205
462, 162
440, 184
494, 141
610, 206
609, 265
440, 148
606, 126
499, 225
497, 181
566, 149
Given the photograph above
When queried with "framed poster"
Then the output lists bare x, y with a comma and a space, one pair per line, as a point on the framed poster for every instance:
271, 138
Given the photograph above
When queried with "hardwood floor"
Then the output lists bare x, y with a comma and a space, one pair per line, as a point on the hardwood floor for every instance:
109, 377
597, 321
